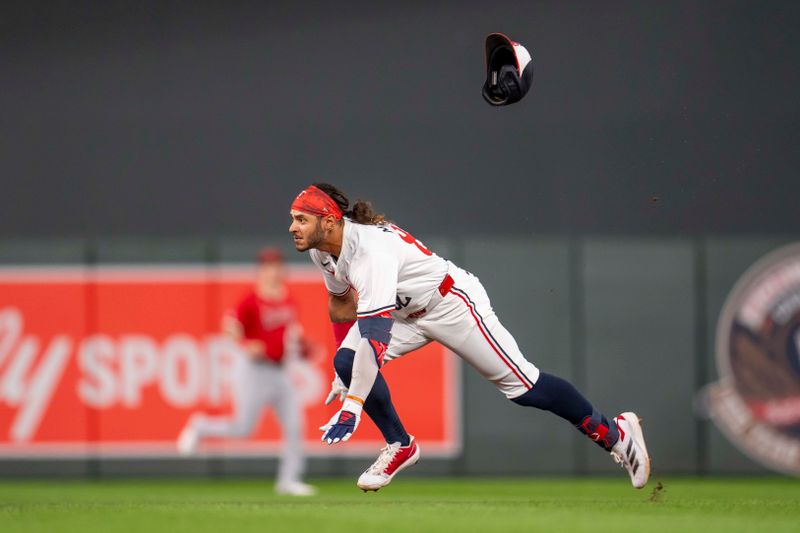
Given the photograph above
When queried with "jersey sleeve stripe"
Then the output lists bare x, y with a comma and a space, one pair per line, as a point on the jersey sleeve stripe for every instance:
384, 309
340, 293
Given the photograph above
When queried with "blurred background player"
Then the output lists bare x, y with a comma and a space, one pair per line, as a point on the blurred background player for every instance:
265, 327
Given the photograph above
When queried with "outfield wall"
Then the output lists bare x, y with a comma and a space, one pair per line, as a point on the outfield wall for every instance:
631, 321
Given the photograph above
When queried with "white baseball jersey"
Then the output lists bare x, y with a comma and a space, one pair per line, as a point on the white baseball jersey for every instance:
392, 271
389, 269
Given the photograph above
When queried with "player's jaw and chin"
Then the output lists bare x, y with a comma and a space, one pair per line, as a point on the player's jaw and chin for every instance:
315, 237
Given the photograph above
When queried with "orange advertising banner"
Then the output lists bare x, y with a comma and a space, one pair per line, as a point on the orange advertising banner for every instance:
114, 360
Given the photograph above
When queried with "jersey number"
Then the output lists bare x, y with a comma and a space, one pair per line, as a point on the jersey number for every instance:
407, 237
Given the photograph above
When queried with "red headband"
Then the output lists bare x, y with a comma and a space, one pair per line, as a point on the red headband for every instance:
315, 202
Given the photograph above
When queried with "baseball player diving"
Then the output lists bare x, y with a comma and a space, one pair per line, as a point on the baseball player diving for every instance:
390, 295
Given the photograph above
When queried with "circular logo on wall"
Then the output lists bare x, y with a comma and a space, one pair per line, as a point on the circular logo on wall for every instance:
756, 402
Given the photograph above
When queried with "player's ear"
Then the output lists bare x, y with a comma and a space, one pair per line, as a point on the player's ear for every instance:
328, 222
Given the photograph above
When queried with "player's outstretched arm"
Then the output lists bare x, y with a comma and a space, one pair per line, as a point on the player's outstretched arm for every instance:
375, 336
344, 423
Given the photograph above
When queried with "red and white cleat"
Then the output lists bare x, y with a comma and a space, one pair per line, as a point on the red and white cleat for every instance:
393, 459
630, 450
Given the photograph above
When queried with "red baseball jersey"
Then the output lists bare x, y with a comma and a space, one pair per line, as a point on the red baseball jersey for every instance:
267, 321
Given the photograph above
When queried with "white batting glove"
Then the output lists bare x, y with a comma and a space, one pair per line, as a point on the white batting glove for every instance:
338, 388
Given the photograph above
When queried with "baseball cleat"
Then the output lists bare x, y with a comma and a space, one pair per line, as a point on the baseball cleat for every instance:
630, 450
393, 459
187, 441
295, 488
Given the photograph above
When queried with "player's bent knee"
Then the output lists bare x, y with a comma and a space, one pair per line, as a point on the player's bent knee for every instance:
513, 386
343, 363
532, 398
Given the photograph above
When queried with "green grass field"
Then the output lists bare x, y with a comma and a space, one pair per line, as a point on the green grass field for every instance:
408, 505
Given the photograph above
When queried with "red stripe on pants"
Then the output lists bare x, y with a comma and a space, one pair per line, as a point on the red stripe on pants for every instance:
485, 336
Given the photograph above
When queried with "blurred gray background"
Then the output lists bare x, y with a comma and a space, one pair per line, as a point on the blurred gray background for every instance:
608, 214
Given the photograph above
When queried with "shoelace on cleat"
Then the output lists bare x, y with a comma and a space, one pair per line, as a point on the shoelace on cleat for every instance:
625, 463
384, 459
618, 459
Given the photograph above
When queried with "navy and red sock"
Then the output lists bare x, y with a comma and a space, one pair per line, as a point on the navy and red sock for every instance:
560, 397
550, 393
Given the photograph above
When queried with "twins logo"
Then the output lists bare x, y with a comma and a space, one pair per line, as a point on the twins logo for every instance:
756, 402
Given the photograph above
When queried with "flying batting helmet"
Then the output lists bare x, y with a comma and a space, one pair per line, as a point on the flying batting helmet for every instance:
509, 71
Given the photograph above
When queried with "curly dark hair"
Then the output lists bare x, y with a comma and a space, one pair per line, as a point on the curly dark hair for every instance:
361, 212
